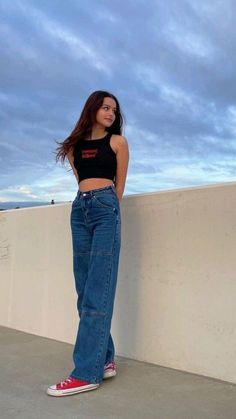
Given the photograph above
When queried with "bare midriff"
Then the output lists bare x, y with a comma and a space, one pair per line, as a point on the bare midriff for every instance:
94, 183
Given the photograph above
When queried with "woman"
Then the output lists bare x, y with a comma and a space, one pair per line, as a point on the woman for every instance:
98, 155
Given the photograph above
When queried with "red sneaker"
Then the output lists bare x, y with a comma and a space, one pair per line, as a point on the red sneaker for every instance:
70, 386
109, 370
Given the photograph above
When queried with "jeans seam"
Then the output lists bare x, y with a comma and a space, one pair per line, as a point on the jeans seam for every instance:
107, 292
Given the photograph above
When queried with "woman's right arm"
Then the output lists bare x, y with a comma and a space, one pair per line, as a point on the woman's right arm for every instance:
70, 158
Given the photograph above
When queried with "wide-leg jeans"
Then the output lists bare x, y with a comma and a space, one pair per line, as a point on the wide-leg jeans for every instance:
96, 238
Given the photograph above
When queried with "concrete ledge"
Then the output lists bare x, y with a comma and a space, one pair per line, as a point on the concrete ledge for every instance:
175, 301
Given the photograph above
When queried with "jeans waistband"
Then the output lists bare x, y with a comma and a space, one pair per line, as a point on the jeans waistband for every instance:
94, 191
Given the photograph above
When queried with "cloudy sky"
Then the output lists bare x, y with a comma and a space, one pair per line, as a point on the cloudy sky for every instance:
172, 65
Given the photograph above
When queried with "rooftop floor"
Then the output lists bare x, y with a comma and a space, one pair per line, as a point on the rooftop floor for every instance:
30, 363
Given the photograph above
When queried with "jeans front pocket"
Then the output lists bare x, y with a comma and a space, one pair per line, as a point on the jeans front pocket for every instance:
105, 201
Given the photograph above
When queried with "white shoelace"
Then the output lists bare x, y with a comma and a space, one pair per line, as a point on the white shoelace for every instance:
67, 381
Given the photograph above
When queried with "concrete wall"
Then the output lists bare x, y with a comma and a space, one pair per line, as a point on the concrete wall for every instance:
175, 301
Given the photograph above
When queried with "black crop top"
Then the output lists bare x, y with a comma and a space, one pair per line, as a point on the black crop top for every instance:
95, 158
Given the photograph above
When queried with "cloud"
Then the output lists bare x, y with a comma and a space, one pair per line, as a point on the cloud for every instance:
171, 65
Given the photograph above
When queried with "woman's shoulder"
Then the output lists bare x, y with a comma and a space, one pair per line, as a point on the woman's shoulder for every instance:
119, 139
118, 142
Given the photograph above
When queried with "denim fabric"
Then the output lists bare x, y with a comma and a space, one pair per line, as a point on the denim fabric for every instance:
96, 239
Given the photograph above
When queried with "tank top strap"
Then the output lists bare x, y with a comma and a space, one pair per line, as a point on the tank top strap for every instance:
108, 136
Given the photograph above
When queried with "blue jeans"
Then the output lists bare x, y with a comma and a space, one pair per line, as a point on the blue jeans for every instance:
96, 237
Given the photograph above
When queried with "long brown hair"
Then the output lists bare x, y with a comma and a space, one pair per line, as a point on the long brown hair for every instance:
83, 127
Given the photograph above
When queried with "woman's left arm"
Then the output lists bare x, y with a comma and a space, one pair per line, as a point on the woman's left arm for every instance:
122, 158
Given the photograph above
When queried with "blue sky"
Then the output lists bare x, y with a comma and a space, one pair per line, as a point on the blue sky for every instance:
171, 64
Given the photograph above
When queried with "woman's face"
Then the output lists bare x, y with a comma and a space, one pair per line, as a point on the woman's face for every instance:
106, 115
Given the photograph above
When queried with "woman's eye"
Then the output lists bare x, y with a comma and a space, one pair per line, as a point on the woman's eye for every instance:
106, 108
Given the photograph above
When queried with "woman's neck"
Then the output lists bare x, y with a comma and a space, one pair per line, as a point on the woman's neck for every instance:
98, 132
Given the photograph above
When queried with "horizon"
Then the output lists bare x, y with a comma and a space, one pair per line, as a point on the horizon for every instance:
8, 204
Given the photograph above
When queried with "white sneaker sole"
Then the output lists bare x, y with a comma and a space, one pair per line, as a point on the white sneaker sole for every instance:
109, 374
59, 393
